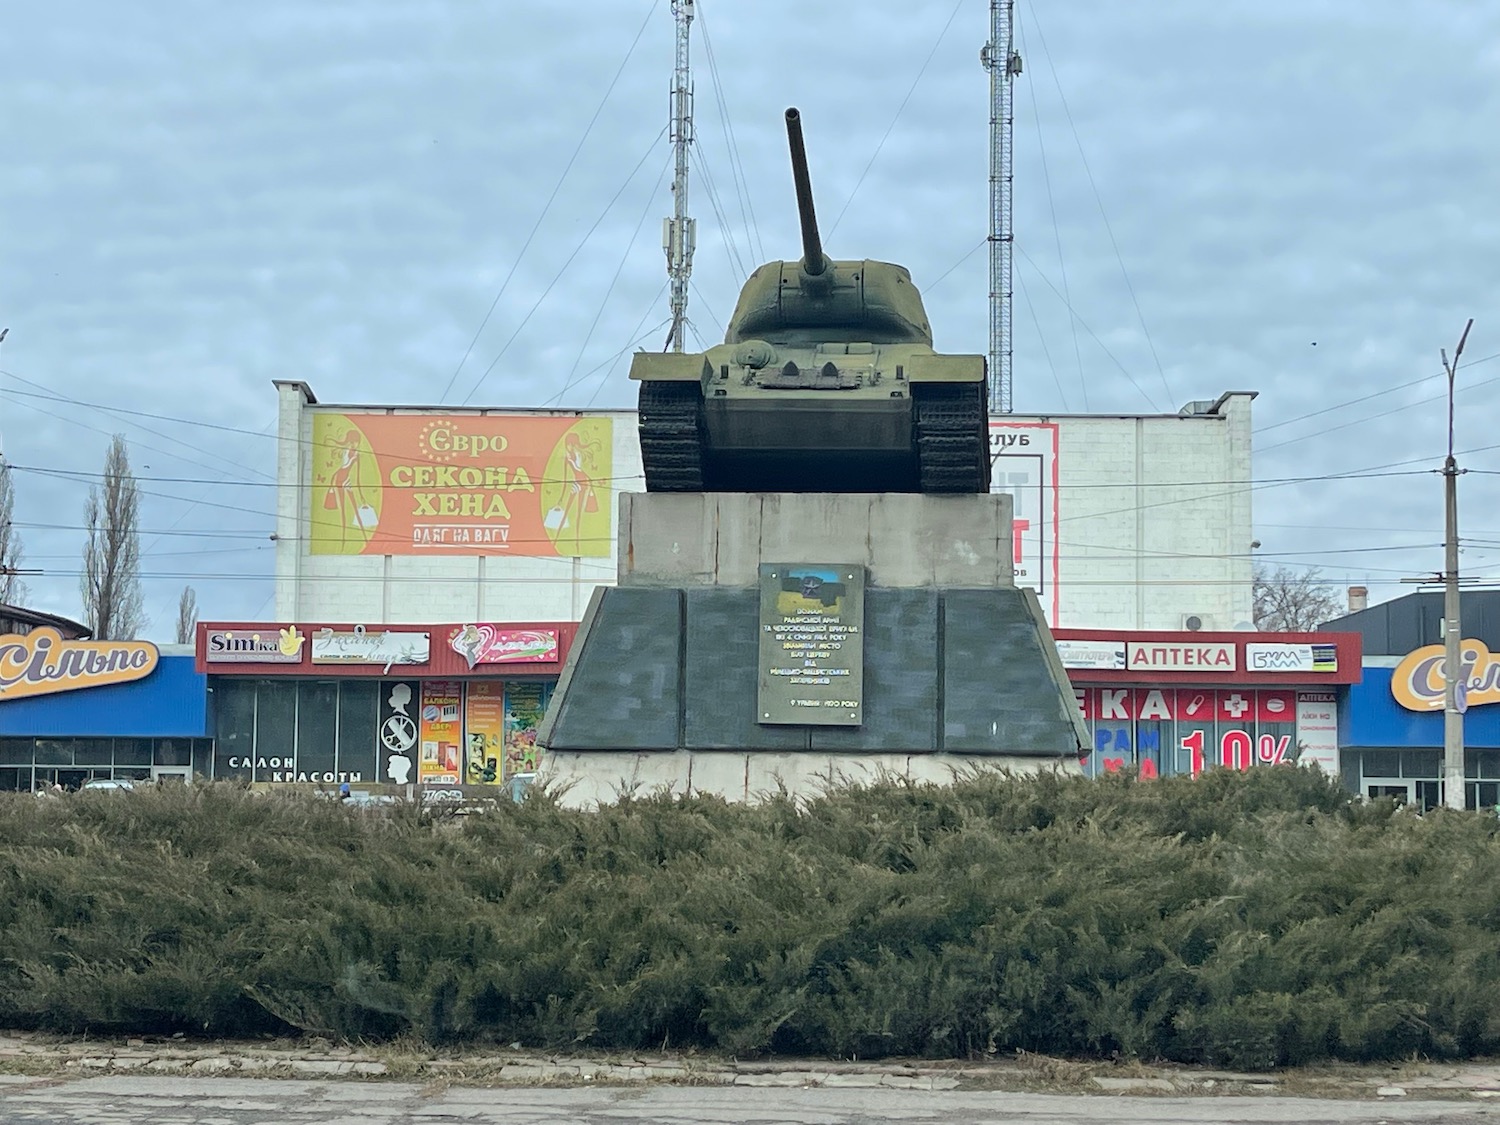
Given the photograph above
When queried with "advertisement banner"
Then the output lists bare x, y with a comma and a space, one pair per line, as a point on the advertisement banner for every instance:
499, 644
1024, 465
399, 701
1318, 729
1291, 658
441, 732
461, 484
1100, 654
273, 644
525, 704
1163, 730
359, 646
484, 724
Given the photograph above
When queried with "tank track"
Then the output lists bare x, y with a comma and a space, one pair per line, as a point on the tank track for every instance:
671, 429
952, 439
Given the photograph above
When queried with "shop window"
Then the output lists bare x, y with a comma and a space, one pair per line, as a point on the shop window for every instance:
203, 756
16, 752
1482, 763
1349, 771
54, 751
14, 779
1382, 763
132, 751
359, 704
93, 752
275, 729
172, 752
1482, 795
133, 773
1421, 763
317, 727
234, 728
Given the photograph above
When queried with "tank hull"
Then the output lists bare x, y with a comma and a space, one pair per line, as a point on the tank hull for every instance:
928, 438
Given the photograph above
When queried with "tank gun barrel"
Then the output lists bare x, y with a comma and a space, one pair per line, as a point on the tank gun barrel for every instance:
813, 261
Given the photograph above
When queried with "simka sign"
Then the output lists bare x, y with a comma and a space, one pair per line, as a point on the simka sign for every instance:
43, 663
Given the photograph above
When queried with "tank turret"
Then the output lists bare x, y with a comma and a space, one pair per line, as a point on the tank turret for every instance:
826, 382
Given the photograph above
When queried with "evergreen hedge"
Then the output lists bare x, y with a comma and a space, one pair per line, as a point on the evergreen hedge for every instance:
1244, 919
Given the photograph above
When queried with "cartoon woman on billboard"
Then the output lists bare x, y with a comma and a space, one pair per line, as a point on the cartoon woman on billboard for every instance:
582, 459
351, 501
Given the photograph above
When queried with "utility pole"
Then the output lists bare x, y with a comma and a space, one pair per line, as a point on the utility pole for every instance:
1454, 701
679, 233
1003, 62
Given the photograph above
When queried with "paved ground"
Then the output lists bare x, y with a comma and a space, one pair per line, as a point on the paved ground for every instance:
139, 1100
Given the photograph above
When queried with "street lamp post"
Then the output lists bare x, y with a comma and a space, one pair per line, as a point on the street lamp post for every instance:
1454, 703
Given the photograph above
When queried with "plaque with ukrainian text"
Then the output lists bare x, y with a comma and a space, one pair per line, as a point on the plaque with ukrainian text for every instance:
812, 620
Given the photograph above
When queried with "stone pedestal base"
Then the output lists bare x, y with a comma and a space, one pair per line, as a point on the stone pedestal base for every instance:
661, 682
586, 778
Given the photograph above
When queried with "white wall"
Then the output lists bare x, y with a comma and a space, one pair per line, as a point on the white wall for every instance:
1150, 520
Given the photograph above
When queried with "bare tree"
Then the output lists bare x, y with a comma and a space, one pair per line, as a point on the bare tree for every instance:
12, 589
187, 616
1293, 601
112, 602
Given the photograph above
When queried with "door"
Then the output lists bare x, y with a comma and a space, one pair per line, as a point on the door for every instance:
172, 775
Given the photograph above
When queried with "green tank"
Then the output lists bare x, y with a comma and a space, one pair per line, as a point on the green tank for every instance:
826, 382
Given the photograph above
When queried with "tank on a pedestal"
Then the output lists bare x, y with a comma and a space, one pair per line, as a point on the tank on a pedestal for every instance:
827, 381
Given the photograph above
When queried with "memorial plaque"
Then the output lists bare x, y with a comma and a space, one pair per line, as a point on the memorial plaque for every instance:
812, 620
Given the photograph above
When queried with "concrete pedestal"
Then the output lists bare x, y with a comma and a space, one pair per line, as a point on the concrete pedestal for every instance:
660, 687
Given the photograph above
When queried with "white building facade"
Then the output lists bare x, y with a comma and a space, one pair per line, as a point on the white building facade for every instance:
1133, 521
398, 514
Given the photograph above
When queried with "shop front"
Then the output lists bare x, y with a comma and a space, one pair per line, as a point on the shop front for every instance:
1181, 702
1392, 731
74, 710
444, 706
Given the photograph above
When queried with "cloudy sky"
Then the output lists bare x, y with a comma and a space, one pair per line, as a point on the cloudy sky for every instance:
1291, 196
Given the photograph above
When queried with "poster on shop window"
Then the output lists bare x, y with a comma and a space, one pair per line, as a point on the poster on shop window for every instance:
397, 736
484, 723
441, 732
525, 704
1023, 465
1187, 730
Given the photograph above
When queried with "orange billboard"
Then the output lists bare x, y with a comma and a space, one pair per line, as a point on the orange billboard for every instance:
460, 484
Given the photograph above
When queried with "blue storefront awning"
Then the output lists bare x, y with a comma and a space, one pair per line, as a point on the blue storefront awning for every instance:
172, 702
1374, 718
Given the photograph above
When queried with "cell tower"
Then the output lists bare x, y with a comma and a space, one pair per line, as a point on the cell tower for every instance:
679, 233
1003, 62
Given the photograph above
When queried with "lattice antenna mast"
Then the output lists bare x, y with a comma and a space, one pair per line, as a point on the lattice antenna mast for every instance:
1003, 62
679, 233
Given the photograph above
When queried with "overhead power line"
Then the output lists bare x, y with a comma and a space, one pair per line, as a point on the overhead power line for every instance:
546, 207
